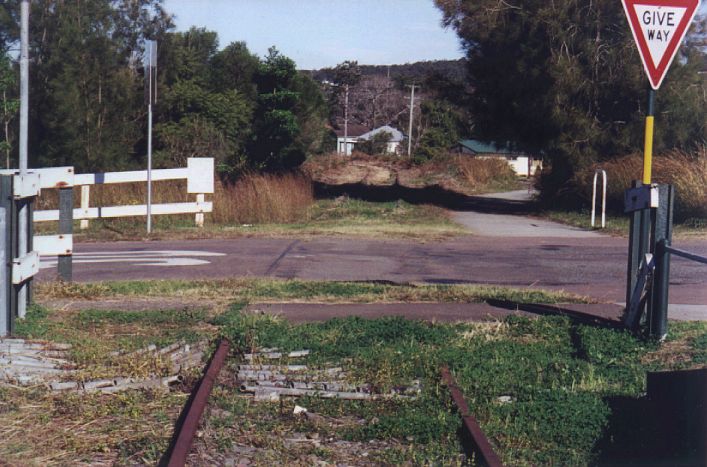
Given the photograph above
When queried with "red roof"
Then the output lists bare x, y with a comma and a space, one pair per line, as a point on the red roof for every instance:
354, 130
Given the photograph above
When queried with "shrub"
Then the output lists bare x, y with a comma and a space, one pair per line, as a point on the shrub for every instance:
686, 171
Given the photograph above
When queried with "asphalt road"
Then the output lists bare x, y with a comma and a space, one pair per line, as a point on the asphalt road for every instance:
507, 248
591, 266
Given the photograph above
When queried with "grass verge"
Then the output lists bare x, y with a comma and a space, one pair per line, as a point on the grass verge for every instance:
557, 374
619, 225
127, 428
339, 217
269, 290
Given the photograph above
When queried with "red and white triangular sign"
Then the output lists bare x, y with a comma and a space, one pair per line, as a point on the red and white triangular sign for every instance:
659, 26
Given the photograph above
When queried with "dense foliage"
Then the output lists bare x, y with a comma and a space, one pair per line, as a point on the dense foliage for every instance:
564, 79
87, 105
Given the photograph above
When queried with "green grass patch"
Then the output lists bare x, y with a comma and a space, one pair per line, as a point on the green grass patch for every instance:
146, 317
556, 377
95, 336
618, 225
342, 216
130, 427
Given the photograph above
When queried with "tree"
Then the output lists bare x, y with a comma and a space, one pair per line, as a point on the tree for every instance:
289, 119
442, 126
377, 144
9, 105
86, 90
202, 113
560, 78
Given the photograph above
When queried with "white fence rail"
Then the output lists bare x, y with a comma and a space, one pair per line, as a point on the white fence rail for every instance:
199, 174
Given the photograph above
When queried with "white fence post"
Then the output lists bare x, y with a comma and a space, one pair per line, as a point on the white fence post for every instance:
200, 180
85, 194
199, 218
603, 197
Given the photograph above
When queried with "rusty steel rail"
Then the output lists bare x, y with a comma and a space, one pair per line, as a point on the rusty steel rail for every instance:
176, 456
474, 440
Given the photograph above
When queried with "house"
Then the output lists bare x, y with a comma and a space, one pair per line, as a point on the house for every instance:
523, 164
353, 133
393, 144
359, 133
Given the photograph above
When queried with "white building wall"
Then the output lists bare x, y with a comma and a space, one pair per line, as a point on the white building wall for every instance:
350, 142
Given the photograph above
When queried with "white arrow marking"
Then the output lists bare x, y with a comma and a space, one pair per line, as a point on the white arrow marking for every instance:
143, 257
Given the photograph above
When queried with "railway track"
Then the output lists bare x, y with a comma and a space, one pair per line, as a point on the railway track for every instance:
276, 382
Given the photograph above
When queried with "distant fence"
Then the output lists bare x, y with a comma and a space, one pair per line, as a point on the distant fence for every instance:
199, 174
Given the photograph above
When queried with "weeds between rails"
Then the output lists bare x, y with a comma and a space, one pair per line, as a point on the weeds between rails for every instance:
557, 378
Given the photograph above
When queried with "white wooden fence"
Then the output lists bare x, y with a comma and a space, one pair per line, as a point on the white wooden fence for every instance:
199, 174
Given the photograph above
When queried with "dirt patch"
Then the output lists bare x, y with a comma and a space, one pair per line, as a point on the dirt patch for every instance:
454, 173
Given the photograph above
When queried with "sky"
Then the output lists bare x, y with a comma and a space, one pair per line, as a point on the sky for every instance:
322, 33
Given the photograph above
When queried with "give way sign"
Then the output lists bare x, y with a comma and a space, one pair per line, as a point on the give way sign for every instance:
658, 27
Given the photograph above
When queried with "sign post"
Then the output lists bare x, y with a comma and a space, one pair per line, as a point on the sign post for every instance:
658, 28
151, 95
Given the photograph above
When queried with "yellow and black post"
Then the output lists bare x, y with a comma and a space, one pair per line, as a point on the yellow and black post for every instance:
651, 210
648, 139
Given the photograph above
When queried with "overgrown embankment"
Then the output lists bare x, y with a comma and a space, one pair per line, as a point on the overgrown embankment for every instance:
686, 171
441, 180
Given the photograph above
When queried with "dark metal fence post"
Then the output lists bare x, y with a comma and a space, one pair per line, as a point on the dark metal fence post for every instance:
634, 258
66, 227
30, 243
658, 318
7, 295
4, 279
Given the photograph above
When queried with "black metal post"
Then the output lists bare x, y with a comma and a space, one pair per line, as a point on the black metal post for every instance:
658, 318
66, 227
30, 241
10, 206
634, 256
6, 315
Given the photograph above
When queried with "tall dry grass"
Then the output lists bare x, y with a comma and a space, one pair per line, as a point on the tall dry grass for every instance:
484, 172
686, 171
254, 199
260, 199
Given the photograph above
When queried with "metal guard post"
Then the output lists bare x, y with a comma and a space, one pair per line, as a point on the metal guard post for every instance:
603, 197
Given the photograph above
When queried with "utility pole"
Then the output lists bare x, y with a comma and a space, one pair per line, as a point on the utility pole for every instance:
23, 214
412, 106
346, 120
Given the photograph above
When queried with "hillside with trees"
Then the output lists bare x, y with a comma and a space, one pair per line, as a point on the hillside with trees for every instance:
564, 79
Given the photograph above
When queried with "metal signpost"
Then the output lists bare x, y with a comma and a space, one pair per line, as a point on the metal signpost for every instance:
151, 76
658, 27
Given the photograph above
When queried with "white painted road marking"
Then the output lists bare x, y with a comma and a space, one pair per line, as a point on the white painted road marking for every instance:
142, 257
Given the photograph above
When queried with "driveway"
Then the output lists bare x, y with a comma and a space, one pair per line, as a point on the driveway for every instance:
484, 218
